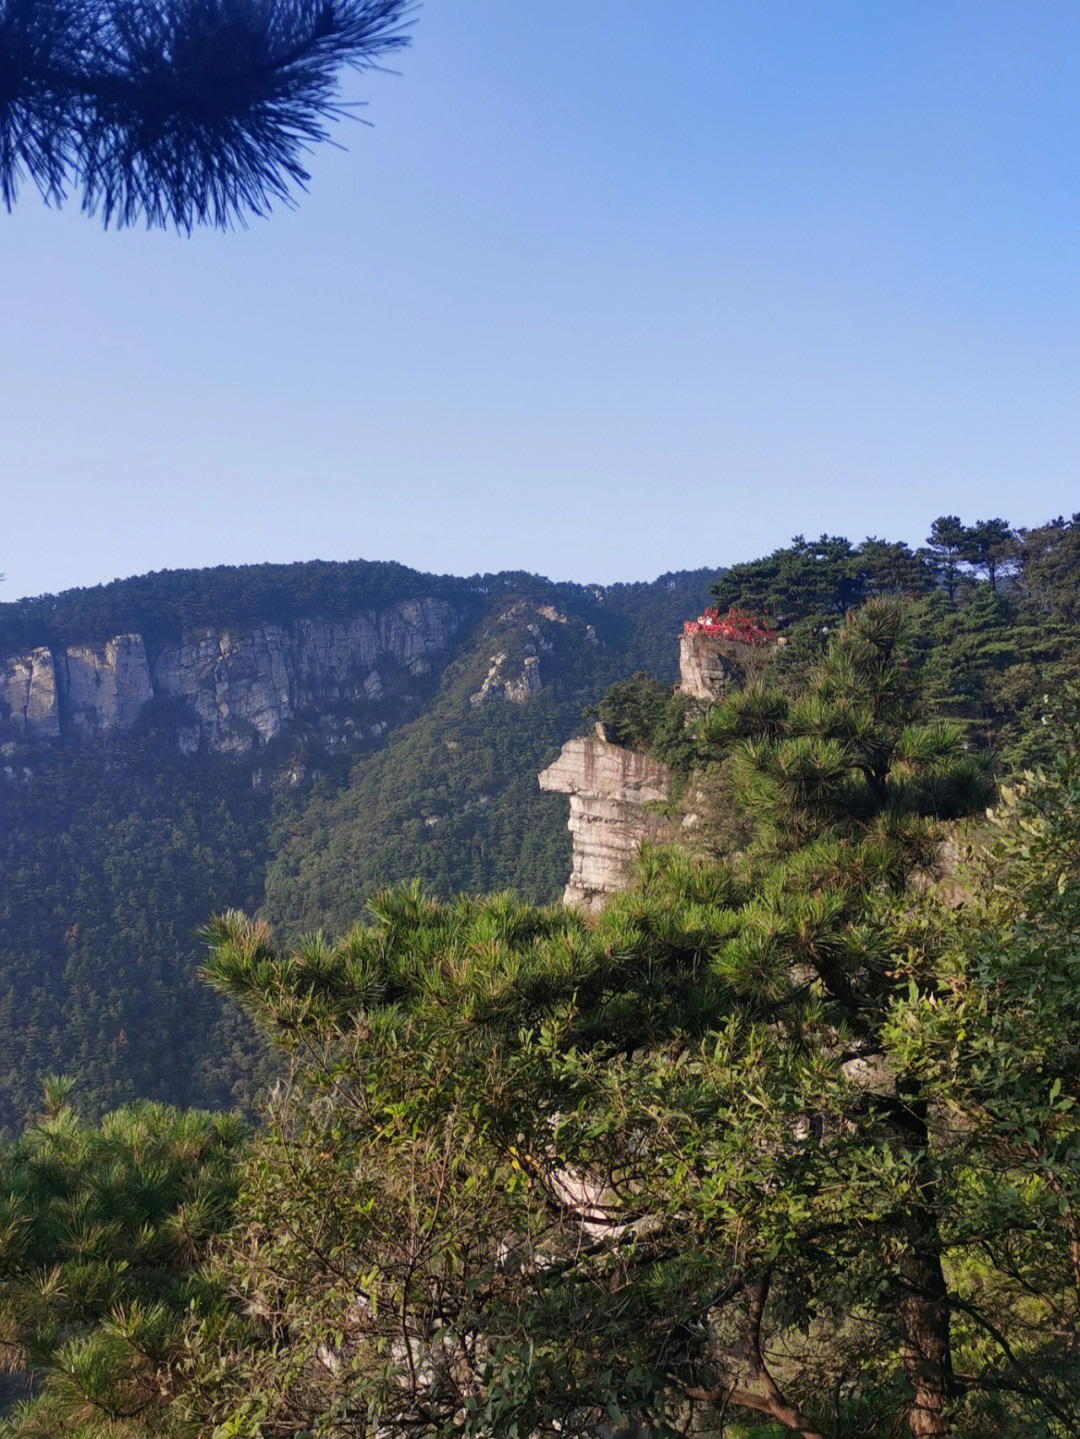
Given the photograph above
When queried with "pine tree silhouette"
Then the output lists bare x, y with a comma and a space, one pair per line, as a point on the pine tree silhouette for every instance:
177, 112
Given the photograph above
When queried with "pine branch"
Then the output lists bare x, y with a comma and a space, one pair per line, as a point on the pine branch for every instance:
177, 112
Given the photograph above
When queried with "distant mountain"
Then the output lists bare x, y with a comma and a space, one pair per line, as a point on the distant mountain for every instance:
277, 738
287, 739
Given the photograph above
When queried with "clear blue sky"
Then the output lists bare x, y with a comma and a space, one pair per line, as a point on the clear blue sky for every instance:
609, 289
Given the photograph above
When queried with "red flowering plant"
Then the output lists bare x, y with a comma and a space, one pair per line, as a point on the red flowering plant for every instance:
737, 625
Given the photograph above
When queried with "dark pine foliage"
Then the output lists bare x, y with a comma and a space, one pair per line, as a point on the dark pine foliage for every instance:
177, 112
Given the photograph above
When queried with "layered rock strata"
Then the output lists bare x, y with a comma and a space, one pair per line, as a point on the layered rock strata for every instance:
609, 789
242, 685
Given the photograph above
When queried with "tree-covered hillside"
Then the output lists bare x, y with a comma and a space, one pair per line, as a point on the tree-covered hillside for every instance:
785, 1137
115, 851
452, 799
112, 857
994, 613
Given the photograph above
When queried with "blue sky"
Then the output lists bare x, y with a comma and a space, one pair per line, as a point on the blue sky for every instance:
607, 290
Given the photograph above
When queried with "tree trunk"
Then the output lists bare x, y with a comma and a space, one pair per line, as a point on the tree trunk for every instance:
925, 1316
924, 1309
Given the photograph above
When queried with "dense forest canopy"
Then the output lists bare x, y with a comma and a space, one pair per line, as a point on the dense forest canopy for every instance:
113, 852
786, 1137
831, 575
168, 604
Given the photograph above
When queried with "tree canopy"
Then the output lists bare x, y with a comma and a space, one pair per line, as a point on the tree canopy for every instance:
101, 1233
785, 1135
780, 1135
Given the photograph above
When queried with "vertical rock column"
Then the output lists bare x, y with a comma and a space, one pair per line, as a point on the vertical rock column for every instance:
609, 788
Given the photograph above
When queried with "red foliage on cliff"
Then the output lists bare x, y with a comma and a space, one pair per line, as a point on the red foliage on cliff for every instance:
736, 625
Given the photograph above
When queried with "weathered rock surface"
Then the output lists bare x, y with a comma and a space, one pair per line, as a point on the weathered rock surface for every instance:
28, 704
609, 787
105, 686
517, 689
238, 683
527, 683
243, 685
705, 670
710, 666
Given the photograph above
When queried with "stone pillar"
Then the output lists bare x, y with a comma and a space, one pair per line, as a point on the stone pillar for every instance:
609, 787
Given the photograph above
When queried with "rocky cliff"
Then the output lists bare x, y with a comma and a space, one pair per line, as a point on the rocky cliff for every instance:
710, 666
614, 791
241, 686
705, 670
610, 788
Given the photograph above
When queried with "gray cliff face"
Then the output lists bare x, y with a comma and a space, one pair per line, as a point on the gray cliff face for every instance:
237, 682
609, 787
28, 696
105, 686
243, 685
705, 671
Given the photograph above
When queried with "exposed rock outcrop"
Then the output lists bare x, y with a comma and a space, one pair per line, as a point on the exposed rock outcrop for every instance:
28, 696
105, 686
238, 684
243, 685
609, 789
517, 689
711, 666
527, 683
705, 670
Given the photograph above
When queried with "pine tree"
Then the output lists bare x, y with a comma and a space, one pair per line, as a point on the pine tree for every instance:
176, 112
991, 545
949, 541
101, 1232
686, 1158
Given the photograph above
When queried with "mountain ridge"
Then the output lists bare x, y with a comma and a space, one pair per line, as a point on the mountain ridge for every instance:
118, 840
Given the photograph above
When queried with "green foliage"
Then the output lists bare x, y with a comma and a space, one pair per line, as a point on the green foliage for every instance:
773, 1137
111, 855
850, 751
101, 1233
781, 1137
167, 604
114, 851
948, 542
1049, 561
643, 714
996, 1040
825, 576
452, 798
989, 650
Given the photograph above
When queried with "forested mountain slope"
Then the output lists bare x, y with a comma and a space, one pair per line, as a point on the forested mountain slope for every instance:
287, 739
283, 738
892, 1180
